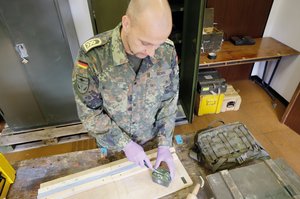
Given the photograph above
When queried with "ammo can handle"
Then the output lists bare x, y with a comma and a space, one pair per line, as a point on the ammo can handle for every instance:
3, 185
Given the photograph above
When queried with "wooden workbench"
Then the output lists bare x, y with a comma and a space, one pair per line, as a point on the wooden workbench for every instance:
31, 173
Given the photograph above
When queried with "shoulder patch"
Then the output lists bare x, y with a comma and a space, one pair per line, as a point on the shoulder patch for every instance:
170, 42
92, 43
82, 84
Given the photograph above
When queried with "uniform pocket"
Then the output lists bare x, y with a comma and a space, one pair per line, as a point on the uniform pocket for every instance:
115, 96
156, 85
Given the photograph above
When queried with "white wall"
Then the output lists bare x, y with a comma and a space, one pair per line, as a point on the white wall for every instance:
283, 25
82, 21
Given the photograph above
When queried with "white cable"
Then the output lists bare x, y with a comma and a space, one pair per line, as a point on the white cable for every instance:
202, 182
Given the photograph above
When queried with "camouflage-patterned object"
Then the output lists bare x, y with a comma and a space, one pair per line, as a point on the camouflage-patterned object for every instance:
226, 146
115, 104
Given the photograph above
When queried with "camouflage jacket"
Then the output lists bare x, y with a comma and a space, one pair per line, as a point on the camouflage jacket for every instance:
115, 104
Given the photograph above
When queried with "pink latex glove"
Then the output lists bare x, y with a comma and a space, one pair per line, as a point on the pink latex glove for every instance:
164, 155
135, 153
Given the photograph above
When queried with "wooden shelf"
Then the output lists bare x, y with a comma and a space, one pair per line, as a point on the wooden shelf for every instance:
264, 49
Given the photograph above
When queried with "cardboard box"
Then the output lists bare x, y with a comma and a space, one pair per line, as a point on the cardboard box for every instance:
212, 38
232, 100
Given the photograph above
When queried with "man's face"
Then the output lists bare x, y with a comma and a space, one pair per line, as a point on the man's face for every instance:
142, 41
142, 45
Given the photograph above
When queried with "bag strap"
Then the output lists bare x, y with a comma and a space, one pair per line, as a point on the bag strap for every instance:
194, 153
218, 164
211, 124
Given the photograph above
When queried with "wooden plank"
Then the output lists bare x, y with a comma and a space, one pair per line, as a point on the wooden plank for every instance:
88, 173
46, 134
32, 173
67, 180
120, 179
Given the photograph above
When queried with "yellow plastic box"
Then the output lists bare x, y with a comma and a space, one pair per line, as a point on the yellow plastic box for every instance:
8, 175
208, 104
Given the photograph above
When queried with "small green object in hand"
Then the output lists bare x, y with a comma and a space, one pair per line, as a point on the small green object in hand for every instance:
161, 176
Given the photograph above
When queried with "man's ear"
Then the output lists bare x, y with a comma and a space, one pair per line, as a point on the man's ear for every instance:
125, 23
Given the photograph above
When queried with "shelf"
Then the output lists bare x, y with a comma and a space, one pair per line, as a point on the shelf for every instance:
176, 37
264, 49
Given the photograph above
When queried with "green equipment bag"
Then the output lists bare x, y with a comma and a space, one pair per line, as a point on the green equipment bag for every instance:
226, 146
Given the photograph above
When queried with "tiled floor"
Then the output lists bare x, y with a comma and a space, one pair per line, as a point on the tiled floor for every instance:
256, 112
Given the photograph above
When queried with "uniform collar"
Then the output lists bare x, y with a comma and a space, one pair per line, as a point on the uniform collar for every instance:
118, 51
156, 57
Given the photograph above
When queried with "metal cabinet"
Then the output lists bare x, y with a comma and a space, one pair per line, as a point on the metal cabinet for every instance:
107, 15
38, 41
191, 43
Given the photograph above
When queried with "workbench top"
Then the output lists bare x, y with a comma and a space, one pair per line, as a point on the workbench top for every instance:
31, 173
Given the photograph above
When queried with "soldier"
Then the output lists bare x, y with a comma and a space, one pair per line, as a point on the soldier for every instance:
126, 83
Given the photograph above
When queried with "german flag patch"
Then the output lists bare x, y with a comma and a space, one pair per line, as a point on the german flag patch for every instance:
82, 64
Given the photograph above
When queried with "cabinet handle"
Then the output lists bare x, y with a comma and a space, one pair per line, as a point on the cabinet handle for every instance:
21, 49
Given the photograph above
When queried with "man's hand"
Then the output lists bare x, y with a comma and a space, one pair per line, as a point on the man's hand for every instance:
135, 153
164, 155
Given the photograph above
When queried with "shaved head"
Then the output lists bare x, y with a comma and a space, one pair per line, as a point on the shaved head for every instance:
154, 10
150, 22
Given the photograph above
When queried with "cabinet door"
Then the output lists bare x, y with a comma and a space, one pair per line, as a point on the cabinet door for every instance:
38, 93
291, 116
107, 14
192, 33
17, 102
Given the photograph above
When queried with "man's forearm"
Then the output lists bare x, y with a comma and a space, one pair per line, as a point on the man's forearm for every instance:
166, 121
102, 127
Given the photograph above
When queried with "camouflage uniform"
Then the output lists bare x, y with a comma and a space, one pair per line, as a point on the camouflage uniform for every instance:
115, 104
